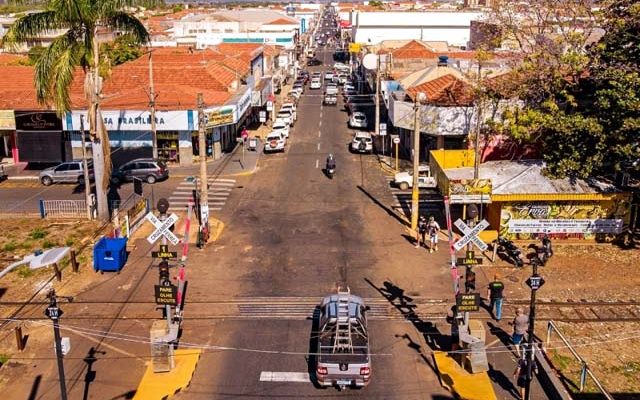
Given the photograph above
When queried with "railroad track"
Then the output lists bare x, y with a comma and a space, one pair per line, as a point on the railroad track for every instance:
302, 308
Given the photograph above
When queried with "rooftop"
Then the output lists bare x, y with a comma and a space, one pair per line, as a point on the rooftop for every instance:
526, 177
446, 90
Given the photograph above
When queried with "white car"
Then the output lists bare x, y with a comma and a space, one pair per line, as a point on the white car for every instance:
332, 89
404, 180
316, 83
295, 94
286, 115
358, 120
348, 86
281, 126
328, 76
275, 141
292, 107
362, 142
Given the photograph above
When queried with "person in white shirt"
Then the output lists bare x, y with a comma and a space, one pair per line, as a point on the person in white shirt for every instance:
433, 228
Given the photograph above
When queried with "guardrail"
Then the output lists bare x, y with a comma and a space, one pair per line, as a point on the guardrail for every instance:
63, 209
585, 371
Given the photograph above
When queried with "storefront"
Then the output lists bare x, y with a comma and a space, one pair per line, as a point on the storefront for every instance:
130, 134
8, 135
40, 137
225, 122
261, 94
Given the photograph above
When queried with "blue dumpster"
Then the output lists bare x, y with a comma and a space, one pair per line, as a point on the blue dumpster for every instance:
110, 254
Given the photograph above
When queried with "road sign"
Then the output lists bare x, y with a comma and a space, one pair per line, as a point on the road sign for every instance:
263, 116
468, 302
269, 105
470, 259
166, 294
396, 140
162, 228
471, 235
53, 312
164, 253
383, 129
535, 282
354, 47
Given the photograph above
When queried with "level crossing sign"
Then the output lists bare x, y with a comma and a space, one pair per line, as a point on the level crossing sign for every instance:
162, 228
471, 235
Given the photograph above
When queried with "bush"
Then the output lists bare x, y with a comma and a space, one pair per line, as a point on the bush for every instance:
10, 246
47, 244
69, 242
37, 233
24, 271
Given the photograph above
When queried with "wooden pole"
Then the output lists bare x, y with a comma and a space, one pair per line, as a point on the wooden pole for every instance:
19, 338
57, 271
74, 260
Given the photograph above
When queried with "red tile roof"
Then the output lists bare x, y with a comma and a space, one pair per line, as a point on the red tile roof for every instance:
416, 49
17, 90
446, 91
282, 21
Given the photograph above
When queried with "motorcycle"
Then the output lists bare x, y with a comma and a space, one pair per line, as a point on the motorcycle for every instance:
544, 251
331, 172
510, 252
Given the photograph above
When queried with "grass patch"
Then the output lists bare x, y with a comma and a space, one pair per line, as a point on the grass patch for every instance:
629, 370
38, 233
27, 245
47, 244
69, 242
4, 358
561, 362
24, 271
11, 246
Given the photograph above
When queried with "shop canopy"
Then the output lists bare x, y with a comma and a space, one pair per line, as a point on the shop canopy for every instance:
345, 24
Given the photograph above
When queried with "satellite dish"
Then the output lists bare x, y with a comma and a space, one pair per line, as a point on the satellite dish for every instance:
370, 61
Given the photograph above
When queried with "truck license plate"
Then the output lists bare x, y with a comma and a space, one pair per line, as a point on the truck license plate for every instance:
344, 382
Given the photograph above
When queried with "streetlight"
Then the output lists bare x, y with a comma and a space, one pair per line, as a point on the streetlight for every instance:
420, 99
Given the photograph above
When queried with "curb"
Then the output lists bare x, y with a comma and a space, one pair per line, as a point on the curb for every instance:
23, 178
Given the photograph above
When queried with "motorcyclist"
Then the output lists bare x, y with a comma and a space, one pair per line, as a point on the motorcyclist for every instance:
331, 162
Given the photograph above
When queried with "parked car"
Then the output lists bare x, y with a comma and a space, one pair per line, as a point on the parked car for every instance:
404, 180
292, 107
358, 120
281, 126
275, 141
316, 83
297, 90
147, 169
286, 115
330, 99
362, 142
328, 76
314, 62
67, 172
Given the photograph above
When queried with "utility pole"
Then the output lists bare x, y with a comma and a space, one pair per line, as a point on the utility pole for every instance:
415, 193
476, 163
378, 100
100, 142
535, 282
204, 184
152, 105
54, 313
85, 170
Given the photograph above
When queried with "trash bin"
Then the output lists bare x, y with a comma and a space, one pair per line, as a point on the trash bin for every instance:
253, 143
110, 254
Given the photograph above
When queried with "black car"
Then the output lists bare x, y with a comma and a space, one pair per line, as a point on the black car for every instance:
314, 62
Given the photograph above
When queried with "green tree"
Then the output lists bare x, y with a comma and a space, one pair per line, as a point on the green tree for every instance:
34, 54
123, 49
79, 22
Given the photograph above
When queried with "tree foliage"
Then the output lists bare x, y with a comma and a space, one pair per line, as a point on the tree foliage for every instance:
124, 48
581, 102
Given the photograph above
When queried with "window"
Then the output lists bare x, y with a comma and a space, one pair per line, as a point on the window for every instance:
62, 168
74, 167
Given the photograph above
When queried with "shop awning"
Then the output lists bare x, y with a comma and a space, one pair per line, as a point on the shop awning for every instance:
345, 24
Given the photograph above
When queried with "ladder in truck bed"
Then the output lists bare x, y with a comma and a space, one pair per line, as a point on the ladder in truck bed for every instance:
342, 342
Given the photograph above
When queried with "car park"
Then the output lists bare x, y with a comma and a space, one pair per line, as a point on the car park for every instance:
358, 120
362, 142
330, 99
316, 83
281, 126
275, 141
404, 180
146, 169
66, 172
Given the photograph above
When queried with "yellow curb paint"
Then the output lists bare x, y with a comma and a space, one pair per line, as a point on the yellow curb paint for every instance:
217, 227
463, 384
166, 384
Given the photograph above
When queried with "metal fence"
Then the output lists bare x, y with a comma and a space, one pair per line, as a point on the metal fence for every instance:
63, 209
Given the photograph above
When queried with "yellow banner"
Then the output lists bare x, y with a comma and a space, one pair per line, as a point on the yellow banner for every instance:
354, 47
7, 120
469, 191
217, 118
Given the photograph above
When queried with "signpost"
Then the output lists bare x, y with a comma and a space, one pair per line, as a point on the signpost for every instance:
535, 282
469, 260
468, 302
396, 142
263, 116
164, 253
162, 228
471, 235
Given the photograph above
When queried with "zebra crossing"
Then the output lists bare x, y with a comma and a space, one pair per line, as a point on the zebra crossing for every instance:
219, 190
429, 198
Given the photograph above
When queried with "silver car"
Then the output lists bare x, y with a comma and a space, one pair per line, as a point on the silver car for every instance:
67, 172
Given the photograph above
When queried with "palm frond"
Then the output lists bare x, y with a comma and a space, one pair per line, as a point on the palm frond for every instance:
109, 6
62, 77
126, 23
31, 26
71, 11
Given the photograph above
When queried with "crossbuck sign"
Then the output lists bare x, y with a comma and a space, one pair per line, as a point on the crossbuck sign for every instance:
470, 235
162, 228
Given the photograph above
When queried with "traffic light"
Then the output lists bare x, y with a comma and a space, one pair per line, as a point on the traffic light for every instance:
163, 270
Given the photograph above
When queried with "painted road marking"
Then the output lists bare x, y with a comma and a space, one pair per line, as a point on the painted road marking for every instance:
319, 133
317, 164
269, 376
320, 123
318, 146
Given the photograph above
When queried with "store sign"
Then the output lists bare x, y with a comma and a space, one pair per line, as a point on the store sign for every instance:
263, 116
7, 120
220, 117
469, 191
34, 121
134, 120
565, 226
243, 104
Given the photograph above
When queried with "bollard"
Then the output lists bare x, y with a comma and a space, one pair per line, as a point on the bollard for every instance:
57, 271
74, 260
19, 338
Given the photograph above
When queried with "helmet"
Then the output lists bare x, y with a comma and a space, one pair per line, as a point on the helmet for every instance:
422, 218
431, 219
330, 156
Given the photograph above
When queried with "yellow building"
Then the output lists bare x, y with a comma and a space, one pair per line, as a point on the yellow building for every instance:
520, 202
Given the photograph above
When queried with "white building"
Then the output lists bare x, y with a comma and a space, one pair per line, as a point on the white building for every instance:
451, 27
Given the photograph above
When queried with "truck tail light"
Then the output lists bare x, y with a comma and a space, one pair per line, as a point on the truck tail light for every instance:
365, 371
321, 370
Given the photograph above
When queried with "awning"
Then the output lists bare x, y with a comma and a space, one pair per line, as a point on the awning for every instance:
345, 24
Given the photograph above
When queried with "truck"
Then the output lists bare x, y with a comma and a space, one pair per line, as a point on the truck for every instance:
404, 180
343, 358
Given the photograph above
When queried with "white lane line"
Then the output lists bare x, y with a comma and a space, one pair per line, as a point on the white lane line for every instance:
317, 164
318, 146
319, 133
269, 376
210, 183
320, 123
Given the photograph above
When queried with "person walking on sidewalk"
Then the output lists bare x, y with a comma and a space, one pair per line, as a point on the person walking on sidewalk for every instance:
433, 228
520, 324
422, 231
495, 296
522, 367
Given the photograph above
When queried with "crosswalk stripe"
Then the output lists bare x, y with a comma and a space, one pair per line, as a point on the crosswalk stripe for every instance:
188, 190
189, 195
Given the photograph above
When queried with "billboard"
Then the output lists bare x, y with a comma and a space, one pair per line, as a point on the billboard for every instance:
469, 191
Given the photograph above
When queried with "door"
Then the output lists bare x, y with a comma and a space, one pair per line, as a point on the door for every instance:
60, 173
74, 172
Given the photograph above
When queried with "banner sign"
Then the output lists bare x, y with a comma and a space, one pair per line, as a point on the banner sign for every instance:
565, 226
469, 191
220, 117
134, 120
7, 120
37, 121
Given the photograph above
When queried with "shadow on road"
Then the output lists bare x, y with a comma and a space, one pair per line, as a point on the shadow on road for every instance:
385, 208
34, 388
90, 375
312, 358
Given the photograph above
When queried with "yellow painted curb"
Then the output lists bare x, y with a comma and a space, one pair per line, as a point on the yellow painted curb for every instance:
217, 227
162, 385
457, 380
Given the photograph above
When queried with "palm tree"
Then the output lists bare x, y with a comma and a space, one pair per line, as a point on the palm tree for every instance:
80, 22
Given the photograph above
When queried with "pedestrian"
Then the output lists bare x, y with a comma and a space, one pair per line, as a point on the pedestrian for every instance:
422, 231
433, 229
470, 280
520, 325
521, 375
453, 318
496, 297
